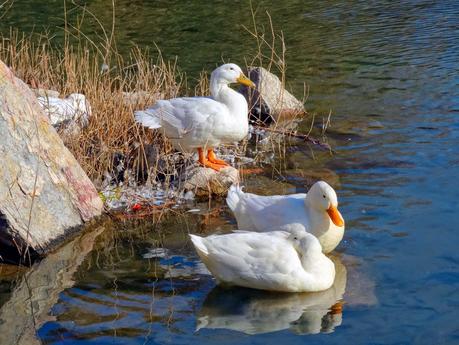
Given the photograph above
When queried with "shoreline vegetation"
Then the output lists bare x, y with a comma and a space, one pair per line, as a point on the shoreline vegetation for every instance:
112, 149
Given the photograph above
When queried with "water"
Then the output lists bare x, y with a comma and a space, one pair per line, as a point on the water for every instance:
389, 73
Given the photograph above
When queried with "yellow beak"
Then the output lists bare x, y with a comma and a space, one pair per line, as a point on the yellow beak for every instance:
335, 216
245, 81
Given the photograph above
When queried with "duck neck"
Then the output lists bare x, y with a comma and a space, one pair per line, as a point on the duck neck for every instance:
318, 219
235, 102
319, 267
216, 88
311, 261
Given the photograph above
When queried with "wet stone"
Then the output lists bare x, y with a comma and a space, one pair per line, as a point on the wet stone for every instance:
204, 182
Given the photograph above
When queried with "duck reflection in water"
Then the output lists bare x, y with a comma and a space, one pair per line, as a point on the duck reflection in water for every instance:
254, 312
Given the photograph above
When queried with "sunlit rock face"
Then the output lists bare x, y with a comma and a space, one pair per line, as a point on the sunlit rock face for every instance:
44, 193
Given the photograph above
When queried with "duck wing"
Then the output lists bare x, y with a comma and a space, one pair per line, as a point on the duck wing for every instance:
179, 116
263, 261
58, 110
267, 213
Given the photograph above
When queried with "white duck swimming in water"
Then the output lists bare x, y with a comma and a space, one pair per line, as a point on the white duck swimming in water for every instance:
203, 123
275, 261
317, 211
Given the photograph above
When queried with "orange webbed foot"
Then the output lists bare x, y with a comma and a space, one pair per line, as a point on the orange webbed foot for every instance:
211, 157
208, 163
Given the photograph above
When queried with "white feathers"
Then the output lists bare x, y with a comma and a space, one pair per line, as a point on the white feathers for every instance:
284, 212
233, 198
73, 108
202, 122
269, 261
180, 116
148, 119
198, 243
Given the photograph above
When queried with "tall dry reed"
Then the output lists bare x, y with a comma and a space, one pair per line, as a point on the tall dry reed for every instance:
108, 80
108, 87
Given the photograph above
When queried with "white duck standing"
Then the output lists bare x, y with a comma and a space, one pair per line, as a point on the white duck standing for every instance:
317, 211
74, 108
275, 261
203, 123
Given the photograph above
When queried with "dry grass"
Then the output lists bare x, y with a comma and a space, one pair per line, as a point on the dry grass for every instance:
104, 76
78, 68
271, 54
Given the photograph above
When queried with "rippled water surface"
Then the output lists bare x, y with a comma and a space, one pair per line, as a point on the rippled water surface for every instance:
389, 73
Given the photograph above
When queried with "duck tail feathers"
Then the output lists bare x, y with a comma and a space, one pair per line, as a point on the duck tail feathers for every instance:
234, 196
147, 118
199, 244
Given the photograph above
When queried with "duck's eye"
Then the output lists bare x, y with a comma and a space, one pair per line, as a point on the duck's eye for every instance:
231, 68
295, 238
324, 196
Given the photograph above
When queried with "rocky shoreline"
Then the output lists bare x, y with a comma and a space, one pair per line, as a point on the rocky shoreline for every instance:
166, 181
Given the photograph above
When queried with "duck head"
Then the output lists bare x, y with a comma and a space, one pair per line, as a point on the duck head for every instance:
322, 197
228, 74
304, 242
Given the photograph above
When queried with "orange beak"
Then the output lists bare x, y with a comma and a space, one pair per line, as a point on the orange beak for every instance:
335, 216
246, 81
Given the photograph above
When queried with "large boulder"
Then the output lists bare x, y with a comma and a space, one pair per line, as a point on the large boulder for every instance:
44, 193
270, 101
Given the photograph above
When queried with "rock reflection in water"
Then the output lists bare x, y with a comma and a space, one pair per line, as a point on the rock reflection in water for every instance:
254, 312
38, 290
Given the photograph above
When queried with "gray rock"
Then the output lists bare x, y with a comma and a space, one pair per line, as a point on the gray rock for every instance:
204, 182
270, 101
44, 193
